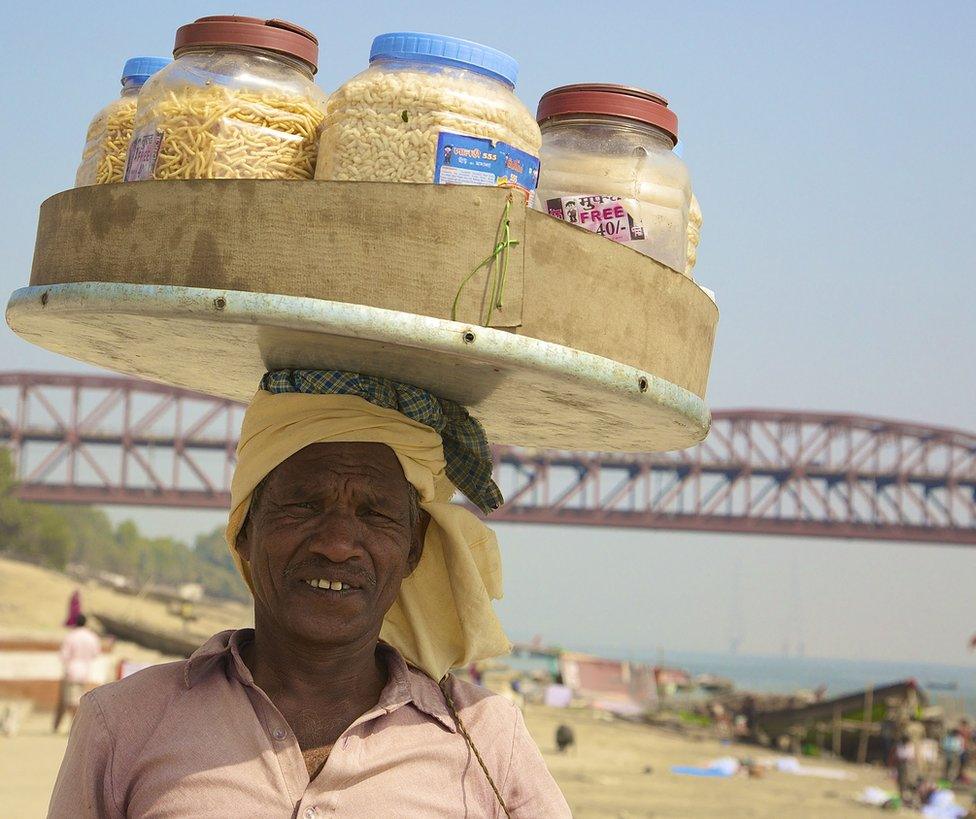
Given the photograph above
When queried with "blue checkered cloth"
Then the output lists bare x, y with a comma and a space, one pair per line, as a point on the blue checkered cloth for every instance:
466, 451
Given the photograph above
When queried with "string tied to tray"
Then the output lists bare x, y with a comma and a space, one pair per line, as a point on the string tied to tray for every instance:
497, 264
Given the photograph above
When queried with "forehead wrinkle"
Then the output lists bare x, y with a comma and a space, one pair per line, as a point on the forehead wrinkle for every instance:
367, 479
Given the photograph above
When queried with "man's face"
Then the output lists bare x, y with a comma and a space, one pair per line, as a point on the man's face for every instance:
336, 513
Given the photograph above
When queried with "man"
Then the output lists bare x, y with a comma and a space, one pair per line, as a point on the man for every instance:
369, 585
904, 754
79, 650
966, 735
952, 747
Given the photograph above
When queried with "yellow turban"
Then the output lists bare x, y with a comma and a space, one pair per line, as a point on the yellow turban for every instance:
443, 617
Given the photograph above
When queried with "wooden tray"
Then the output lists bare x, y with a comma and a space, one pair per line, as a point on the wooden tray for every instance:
207, 283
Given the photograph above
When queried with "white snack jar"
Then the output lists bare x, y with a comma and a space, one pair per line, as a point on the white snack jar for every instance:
608, 166
431, 109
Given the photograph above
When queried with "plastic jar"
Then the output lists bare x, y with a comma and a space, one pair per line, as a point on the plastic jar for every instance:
238, 102
107, 140
694, 235
431, 109
608, 166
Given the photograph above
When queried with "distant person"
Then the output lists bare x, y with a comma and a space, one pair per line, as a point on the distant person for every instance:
966, 733
513, 693
74, 609
889, 730
904, 754
565, 738
952, 748
749, 714
79, 650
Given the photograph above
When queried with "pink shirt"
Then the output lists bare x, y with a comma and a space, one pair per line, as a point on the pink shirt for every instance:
79, 649
198, 738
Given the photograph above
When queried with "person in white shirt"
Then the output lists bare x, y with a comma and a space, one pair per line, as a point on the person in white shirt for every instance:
904, 761
79, 650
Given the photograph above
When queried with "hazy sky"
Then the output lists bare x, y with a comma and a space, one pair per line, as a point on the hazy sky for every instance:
831, 147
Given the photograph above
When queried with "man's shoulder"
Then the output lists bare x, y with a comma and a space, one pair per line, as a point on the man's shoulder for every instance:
468, 695
146, 691
480, 706
474, 704
89, 636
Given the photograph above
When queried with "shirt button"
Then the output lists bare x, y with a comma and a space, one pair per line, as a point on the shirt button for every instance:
310, 813
279, 734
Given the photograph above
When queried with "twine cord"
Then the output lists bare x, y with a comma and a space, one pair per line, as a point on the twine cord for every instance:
467, 738
497, 262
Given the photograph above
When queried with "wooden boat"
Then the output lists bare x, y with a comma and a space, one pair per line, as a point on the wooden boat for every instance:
175, 644
851, 723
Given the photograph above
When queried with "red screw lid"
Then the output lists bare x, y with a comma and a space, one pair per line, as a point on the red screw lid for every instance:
272, 35
610, 100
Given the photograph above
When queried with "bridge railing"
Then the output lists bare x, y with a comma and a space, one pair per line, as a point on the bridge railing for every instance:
113, 440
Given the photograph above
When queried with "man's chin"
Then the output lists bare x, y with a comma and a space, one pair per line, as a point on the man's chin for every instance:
324, 629
328, 617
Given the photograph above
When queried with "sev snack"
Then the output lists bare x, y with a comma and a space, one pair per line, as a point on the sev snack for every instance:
218, 132
383, 126
107, 144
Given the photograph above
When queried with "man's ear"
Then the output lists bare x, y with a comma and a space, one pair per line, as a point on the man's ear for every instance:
417, 542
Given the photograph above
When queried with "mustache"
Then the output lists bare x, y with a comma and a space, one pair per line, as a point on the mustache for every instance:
337, 571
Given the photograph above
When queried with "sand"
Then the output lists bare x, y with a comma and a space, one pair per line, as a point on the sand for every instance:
34, 601
603, 777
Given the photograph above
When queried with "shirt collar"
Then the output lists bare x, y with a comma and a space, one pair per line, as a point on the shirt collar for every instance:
411, 685
406, 685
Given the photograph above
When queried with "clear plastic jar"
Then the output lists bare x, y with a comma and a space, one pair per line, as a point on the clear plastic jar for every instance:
608, 166
431, 109
694, 235
238, 102
107, 140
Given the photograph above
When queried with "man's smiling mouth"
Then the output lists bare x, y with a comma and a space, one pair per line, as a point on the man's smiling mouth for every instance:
329, 585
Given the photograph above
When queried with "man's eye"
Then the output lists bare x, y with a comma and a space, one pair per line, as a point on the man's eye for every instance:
375, 513
302, 505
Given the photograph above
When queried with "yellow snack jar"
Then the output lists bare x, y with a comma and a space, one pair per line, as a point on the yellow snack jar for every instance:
107, 140
237, 102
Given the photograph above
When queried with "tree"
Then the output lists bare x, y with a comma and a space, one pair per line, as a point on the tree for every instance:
57, 535
30, 531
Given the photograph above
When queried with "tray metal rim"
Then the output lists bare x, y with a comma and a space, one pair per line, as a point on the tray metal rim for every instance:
492, 346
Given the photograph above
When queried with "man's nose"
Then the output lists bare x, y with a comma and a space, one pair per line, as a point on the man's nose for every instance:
337, 537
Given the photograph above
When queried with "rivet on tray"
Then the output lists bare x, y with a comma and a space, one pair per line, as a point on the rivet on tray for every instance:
642, 384
44, 298
468, 337
220, 302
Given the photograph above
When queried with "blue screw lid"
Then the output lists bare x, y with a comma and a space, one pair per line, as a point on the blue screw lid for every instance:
441, 50
141, 69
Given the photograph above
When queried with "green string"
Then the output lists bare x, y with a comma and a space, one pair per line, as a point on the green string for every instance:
503, 241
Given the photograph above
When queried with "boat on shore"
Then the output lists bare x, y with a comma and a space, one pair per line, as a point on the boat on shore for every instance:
178, 645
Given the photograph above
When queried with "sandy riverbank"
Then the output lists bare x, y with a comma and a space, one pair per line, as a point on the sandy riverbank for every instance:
33, 601
604, 777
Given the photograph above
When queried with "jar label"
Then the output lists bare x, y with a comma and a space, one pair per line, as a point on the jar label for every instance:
141, 163
604, 215
468, 160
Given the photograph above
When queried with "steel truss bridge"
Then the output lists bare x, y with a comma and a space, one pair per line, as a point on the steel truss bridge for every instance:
113, 440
